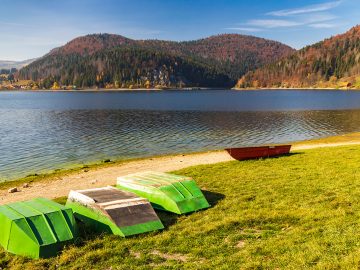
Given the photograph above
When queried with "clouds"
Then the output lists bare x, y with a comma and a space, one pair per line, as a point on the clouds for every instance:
11, 24
272, 23
322, 25
246, 29
306, 9
314, 16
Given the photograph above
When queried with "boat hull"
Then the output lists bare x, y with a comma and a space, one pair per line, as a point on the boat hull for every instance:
244, 153
169, 192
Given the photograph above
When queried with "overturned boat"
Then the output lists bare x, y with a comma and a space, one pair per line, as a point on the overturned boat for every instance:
38, 228
111, 210
173, 193
244, 153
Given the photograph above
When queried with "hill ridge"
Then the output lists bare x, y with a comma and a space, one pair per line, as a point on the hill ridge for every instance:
109, 59
331, 63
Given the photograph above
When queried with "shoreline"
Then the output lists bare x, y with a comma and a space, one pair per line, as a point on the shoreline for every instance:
296, 88
115, 89
180, 89
58, 183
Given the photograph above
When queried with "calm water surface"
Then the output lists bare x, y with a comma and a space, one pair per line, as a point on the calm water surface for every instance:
42, 131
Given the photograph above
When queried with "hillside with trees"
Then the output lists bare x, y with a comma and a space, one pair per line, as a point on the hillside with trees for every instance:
113, 61
332, 63
124, 67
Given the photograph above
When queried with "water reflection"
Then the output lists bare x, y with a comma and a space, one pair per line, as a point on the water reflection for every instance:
34, 140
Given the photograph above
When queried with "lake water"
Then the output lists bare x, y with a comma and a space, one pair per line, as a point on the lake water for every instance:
42, 131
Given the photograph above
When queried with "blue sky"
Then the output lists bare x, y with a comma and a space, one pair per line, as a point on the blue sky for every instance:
30, 28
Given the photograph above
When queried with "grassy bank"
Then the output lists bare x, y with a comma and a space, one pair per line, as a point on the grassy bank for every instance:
293, 212
56, 174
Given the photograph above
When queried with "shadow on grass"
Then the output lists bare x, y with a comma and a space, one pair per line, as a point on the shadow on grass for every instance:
86, 233
168, 218
286, 155
213, 198
273, 157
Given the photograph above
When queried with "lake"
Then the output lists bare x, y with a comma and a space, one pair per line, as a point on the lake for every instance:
43, 131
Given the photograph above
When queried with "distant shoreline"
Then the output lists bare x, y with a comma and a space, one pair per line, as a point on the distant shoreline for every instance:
297, 88
176, 89
114, 90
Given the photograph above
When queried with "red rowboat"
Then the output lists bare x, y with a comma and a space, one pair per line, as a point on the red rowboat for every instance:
244, 153
279, 150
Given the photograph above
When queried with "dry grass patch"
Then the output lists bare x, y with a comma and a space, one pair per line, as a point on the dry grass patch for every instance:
176, 257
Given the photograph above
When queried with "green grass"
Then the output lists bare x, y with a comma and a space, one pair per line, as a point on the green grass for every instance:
294, 212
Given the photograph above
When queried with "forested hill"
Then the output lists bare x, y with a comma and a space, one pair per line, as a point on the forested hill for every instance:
106, 60
334, 62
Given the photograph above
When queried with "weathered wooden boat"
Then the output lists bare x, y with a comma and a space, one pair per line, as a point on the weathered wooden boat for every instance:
244, 153
109, 209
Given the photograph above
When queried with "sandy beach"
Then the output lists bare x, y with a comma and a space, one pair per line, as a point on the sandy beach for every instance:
97, 177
